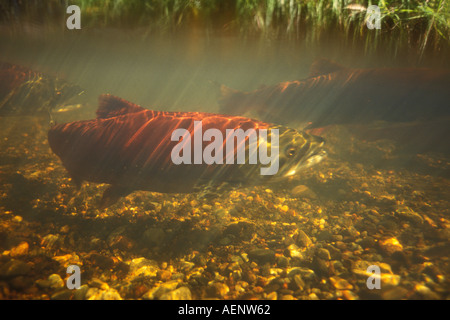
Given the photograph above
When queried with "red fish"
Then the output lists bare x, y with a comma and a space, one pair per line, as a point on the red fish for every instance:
130, 148
26, 92
334, 94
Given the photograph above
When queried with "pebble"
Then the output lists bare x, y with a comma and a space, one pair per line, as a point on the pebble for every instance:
340, 284
50, 241
282, 262
164, 275
118, 240
97, 283
323, 254
143, 267
425, 292
68, 259
325, 235
20, 249
349, 295
55, 281
80, 293
186, 266
313, 296
62, 295
302, 239
100, 294
182, 293
218, 289
157, 292
320, 266
367, 242
14, 268
20, 283
169, 285
303, 191
390, 245
396, 293
262, 255
299, 282
103, 262
406, 213
295, 252
153, 237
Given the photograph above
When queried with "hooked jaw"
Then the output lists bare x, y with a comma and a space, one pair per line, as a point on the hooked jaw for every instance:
314, 156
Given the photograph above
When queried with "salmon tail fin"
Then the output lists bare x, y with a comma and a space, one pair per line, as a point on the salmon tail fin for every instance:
112, 194
111, 106
225, 91
324, 66
222, 90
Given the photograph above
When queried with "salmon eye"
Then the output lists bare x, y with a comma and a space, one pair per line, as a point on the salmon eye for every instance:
290, 152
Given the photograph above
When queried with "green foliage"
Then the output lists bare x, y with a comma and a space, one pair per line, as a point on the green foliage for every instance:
423, 24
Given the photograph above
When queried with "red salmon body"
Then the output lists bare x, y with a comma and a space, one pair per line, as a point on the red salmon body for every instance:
131, 148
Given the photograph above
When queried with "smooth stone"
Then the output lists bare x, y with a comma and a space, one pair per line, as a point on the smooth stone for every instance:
55, 281
80, 293
62, 295
323, 254
14, 268
154, 237
303, 240
182, 293
396, 293
262, 255
20, 249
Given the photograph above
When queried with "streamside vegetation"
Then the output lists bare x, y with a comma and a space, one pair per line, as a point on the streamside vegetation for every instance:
420, 24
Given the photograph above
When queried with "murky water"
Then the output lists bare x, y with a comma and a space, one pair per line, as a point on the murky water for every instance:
375, 200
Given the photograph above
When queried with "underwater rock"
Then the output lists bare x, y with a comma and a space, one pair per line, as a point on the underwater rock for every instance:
143, 267
408, 214
182, 293
303, 191
323, 254
14, 268
153, 237
302, 239
20, 249
62, 295
262, 255
101, 294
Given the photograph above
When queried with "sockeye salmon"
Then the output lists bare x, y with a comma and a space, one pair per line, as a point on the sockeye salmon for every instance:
130, 148
26, 92
333, 94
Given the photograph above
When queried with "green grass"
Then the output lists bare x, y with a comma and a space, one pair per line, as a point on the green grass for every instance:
424, 25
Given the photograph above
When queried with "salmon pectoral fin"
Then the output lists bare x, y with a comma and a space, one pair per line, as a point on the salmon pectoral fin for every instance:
112, 194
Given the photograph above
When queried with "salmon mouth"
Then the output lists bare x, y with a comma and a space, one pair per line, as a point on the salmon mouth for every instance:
314, 156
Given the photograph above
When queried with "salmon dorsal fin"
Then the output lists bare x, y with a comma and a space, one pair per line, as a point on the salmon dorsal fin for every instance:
111, 106
324, 66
